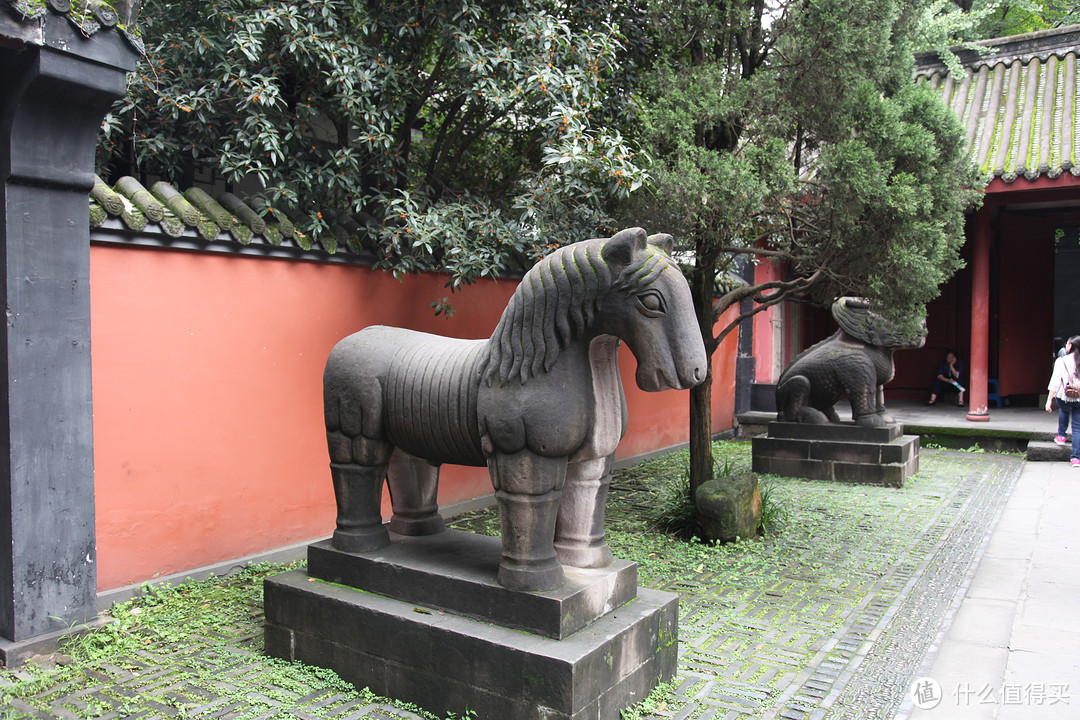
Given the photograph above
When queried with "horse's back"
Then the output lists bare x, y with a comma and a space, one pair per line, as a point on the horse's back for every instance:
415, 390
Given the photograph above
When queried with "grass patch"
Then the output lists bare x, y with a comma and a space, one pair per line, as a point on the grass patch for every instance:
673, 510
197, 640
196, 650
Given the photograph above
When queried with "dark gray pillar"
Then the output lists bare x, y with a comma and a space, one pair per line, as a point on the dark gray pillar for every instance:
745, 362
55, 86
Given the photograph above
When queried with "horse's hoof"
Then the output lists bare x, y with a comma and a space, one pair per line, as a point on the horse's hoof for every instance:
358, 540
428, 525
583, 556
531, 578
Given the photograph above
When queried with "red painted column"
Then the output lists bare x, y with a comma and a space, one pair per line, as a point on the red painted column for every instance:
980, 318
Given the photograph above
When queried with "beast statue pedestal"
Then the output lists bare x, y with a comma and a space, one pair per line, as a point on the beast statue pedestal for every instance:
838, 451
424, 620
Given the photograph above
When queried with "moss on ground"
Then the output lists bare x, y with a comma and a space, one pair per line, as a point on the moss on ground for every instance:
752, 613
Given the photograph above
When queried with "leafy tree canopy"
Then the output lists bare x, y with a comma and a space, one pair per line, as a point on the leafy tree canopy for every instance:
951, 23
1001, 18
793, 132
464, 135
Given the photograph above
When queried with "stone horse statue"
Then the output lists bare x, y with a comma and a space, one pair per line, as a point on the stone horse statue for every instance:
856, 361
540, 404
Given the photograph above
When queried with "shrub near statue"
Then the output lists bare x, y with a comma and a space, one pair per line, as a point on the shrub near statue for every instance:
540, 403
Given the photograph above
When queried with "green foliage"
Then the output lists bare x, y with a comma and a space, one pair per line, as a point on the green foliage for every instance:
673, 510
793, 132
655, 703
956, 21
466, 136
774, 514
951, 24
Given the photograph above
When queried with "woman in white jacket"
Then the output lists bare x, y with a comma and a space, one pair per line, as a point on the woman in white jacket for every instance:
1065, 370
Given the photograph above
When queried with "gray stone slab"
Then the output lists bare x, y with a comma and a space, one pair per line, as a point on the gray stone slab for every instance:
782, 447
843, 431
848, 452
887, 474
873, 463
792, 467
901, 450
447, 663
457, 571
1048, 451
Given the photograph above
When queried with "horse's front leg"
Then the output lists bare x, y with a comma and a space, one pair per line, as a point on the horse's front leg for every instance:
414, 488
528, 488
579, 527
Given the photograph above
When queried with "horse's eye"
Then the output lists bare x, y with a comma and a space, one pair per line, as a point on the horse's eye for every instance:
652, 301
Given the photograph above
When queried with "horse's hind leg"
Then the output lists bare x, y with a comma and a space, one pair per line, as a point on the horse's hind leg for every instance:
579, 529
358, 468
414, 487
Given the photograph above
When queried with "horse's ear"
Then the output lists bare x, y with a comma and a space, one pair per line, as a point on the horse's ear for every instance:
620, 248
663, 241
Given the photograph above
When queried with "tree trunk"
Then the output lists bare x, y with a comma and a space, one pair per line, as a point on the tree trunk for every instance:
701, 457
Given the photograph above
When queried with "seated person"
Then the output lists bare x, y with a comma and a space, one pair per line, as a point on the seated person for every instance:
948, 378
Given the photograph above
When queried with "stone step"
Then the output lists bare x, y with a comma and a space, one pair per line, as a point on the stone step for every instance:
445, 662
1048, 451
456, 571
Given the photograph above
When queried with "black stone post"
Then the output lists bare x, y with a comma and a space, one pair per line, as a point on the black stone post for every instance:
745, 362
56, 84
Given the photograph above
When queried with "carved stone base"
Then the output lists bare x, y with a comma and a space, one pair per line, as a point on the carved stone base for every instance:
844, 452
456, 571
423, 651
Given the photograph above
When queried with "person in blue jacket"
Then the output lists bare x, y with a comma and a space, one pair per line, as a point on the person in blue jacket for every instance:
949, 379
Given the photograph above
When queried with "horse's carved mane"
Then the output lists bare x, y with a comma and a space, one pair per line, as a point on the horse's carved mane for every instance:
556, 302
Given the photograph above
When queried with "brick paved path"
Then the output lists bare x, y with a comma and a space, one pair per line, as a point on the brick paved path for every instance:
829, 619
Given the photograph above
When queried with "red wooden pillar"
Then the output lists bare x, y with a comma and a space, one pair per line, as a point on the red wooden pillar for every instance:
980, 318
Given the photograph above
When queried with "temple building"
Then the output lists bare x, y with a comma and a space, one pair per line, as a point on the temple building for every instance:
1008, 311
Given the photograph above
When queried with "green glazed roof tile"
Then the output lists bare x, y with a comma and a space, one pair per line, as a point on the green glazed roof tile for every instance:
19, 18
167, 216
1017, 102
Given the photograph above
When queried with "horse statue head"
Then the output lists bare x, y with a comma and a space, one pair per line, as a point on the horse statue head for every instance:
626, 286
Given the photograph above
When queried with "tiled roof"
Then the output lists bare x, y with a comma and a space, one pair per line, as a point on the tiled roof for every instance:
162, 215
28, 21
1017, 102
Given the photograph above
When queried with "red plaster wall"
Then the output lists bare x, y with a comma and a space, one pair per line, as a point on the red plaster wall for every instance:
763, 328
209, 440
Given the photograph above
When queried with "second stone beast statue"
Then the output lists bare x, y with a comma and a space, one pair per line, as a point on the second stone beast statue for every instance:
856, 361
540, 404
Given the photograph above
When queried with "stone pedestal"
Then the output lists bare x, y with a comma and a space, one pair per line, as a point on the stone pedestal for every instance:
425, 621
838, 451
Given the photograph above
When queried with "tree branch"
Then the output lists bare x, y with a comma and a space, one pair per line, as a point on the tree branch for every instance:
764, 252
757, 292
785, 289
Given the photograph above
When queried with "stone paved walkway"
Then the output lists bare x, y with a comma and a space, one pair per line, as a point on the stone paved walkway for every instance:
831, 618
